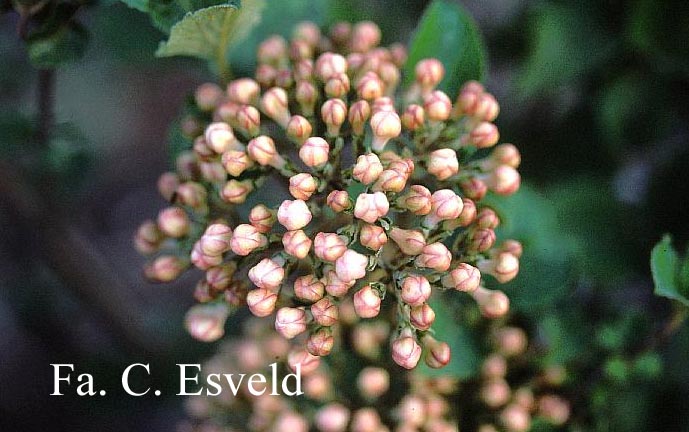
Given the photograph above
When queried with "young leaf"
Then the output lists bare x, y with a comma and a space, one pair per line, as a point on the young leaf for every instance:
448, 33
665, 269
209, 33
66, 44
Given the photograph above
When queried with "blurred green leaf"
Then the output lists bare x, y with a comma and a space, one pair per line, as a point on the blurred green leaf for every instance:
466, 357
209, 33
50, 50
17, 132
165, 14
448, 33
68, 156
566, 45
665, 267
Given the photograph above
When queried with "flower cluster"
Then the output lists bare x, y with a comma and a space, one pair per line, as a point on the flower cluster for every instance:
359, 190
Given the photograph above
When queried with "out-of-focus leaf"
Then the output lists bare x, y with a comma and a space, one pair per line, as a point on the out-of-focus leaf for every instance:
165, 14
465, 361
68, 156
566, 45
209, 33
17, 133
665, 267
565, 337
66, 44
448, 33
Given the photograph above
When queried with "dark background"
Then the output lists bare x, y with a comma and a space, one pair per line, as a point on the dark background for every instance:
594, 93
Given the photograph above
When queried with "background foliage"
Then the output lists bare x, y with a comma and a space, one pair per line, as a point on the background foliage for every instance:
593, 93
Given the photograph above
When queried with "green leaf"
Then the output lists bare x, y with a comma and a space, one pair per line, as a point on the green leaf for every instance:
466, 357
66, 44
209, 33
448, 33
665, 267
165, 14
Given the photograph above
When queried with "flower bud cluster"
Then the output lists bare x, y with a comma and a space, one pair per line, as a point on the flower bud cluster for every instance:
381, 208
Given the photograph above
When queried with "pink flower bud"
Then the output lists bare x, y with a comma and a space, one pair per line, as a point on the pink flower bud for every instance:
300, 50
219, 137
390, 74
165, 268
511, 341
484, 135
272, 50
365, 35
308, 288
367, 168
299, 129
148, 238
398, 53
495, 392
262, 218
487, 108
386, 125
219, 278
213, 172
173, 222
308, 32
290, 322
504, 180
370, 207
333, 417
437, 106
435, 256
474, 188
503, 154
413, 117
249, 120
203, 261
439, 353
303, 70
236, 162
391, 180
359, 113
367, 302
227, 112
339, 201
207, 96
445, 205
305, 361
417, 200
372, 237
314, 152
382, 104
274, 104
329, 64
335, 286
554, 409
487, 219
236, 192
412, 411
243, 91
334, 114
406, 352
370, 87
351, 266
341, 32
202, 150
306, 95
410, 242
246, 238
329, 246
202, 292
373, 382
415, 290
422, 317
267, 274
167, 184
464, 278
265, 75
513, 247
206, 322
429, 73
515, 418
302, 186
296, 243
320, 343
493, 304
216, 239
481, 240
186, 165
494, 366
503, 267
318, 386
261, 302
325, 312
467, 100
287, 421
337, 86
443, 163
262, 150
294, 214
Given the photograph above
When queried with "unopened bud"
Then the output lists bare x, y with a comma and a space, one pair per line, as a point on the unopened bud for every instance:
467, 100
437, 106
351, 266
515, 418
406, 352
148, 238
306, 95
249, 120
445, 205
493, 304
167, 185
359, 113
413, 117
372, 237
303, 70
512, 246
429, 73
367, 302
236, 192
341, 32
320, 342
262, 149
207, 96
216, 239
503, 267
474, 188
370, 87
305, 361
236, 162
308, 288
330, 64
438, 354
554, 409
329, 246
272, 50
504, 180
325, 312
243, 91
294, 214
511, 341
484, 135
274, 104
487, 108
487, 218
382, 104
481, 240
296, 243
314, 152
410, 242
417, 200
219, 278
262, 218
290, 322
203, 261
373, 382
367, 168
494, 366
219, 137
206, 322
443, 163
299, 129
246, 238
435, 256
415, 290
339, 201
165, 268
261, 302
422, 317
464, 277
495, 392
333, 417
302, 186
386, 125
173, 222
337, 86
335, 286
391, 180
334, 114
371, 207
365, 36
267, 274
